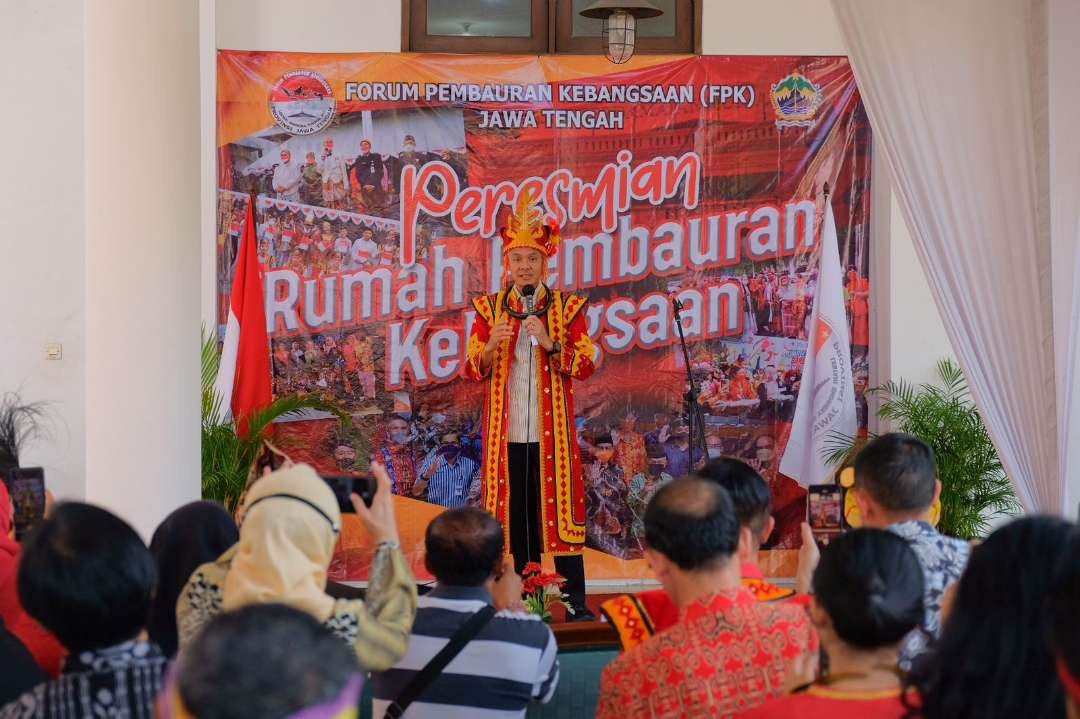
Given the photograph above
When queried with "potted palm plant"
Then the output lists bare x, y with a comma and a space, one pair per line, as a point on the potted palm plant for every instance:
20, 422
974, 486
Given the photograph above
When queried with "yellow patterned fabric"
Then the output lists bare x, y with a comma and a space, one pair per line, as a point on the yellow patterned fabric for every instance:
527, 228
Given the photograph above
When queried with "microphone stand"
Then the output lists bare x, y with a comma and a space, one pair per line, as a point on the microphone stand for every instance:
529, 299
694, 419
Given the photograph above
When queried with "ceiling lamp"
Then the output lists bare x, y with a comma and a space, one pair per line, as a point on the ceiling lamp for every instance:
620, 24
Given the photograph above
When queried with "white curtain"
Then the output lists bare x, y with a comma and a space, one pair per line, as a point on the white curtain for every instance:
957, 92
1064, 108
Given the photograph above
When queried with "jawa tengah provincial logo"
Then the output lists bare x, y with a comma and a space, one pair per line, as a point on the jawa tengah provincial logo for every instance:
796, 100
302, 102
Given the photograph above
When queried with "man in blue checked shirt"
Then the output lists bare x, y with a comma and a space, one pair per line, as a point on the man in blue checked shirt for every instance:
446, 476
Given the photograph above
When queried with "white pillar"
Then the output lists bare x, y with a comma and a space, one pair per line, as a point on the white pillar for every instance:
142, 257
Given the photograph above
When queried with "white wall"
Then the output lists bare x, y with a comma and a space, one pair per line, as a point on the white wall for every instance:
770, 27
317, 26
42, 242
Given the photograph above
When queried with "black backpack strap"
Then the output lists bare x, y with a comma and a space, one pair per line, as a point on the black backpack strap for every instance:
420, 681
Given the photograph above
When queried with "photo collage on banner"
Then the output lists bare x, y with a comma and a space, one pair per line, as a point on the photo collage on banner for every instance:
381, 181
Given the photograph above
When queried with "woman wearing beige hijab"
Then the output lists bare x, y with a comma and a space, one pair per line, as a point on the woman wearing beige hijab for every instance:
290, 528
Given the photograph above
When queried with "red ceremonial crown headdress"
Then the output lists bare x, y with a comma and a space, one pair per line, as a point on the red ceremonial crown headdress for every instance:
527, 228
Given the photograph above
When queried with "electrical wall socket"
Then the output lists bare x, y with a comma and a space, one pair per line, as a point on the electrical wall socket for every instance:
54, 351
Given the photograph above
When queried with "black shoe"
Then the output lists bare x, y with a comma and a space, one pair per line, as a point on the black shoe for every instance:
581, 614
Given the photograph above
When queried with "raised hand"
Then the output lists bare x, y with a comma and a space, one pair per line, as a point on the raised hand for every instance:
379, 520
506, 594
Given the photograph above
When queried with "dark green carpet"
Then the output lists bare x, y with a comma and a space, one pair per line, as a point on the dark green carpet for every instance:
579, 686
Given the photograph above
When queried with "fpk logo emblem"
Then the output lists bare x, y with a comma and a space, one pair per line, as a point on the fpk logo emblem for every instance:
796, 100
302, 102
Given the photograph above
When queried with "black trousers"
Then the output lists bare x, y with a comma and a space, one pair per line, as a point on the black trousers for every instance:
526, 537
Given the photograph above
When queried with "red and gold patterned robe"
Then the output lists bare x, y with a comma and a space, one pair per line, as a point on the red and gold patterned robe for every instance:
562, 489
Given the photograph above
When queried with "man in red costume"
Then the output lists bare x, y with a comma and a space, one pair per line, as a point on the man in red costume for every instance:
528, 352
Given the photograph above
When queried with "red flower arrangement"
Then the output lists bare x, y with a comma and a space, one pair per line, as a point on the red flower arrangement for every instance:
541, 591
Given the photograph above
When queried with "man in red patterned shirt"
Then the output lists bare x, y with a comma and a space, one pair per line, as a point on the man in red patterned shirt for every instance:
637, 617
728, 652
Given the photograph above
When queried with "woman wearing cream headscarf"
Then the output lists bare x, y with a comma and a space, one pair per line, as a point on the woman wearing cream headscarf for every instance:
290, 528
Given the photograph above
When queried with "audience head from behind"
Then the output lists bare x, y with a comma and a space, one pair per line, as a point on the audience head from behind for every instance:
464, 547
868, 594
895, 480
291, 527
693, 540
750, 497
192, 535
504, 662
268, 661
1065, 624
995, 636
87, 577
692, 537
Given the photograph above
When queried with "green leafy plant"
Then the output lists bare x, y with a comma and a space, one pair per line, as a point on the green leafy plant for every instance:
226, 457
974, 486
20, 422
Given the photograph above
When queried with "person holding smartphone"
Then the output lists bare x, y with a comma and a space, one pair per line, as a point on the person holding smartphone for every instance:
42, 645
290, 527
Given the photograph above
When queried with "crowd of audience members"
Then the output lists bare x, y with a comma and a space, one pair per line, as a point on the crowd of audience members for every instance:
214, 622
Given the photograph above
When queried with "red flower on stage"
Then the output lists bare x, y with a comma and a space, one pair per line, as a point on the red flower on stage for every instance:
531, 568
540, 590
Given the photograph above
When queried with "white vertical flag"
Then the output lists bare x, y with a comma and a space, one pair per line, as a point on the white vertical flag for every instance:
826, 402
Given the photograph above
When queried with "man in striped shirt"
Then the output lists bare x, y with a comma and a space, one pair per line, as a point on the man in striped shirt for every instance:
509, 664
447, 476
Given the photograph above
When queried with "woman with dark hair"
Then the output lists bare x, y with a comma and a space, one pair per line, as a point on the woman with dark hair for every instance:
992, 660
868, 594
87, 577
191, 536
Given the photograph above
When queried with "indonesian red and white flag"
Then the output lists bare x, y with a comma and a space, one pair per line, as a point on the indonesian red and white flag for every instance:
243, 379
826, 403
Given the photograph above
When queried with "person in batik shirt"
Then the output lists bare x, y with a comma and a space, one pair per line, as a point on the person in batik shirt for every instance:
87, 577
896, 488
636, 617
728, 652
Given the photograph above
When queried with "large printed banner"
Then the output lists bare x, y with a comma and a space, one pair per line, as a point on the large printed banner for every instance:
382, 181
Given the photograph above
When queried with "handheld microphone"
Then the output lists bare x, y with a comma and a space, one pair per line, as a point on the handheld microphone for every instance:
529, 291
